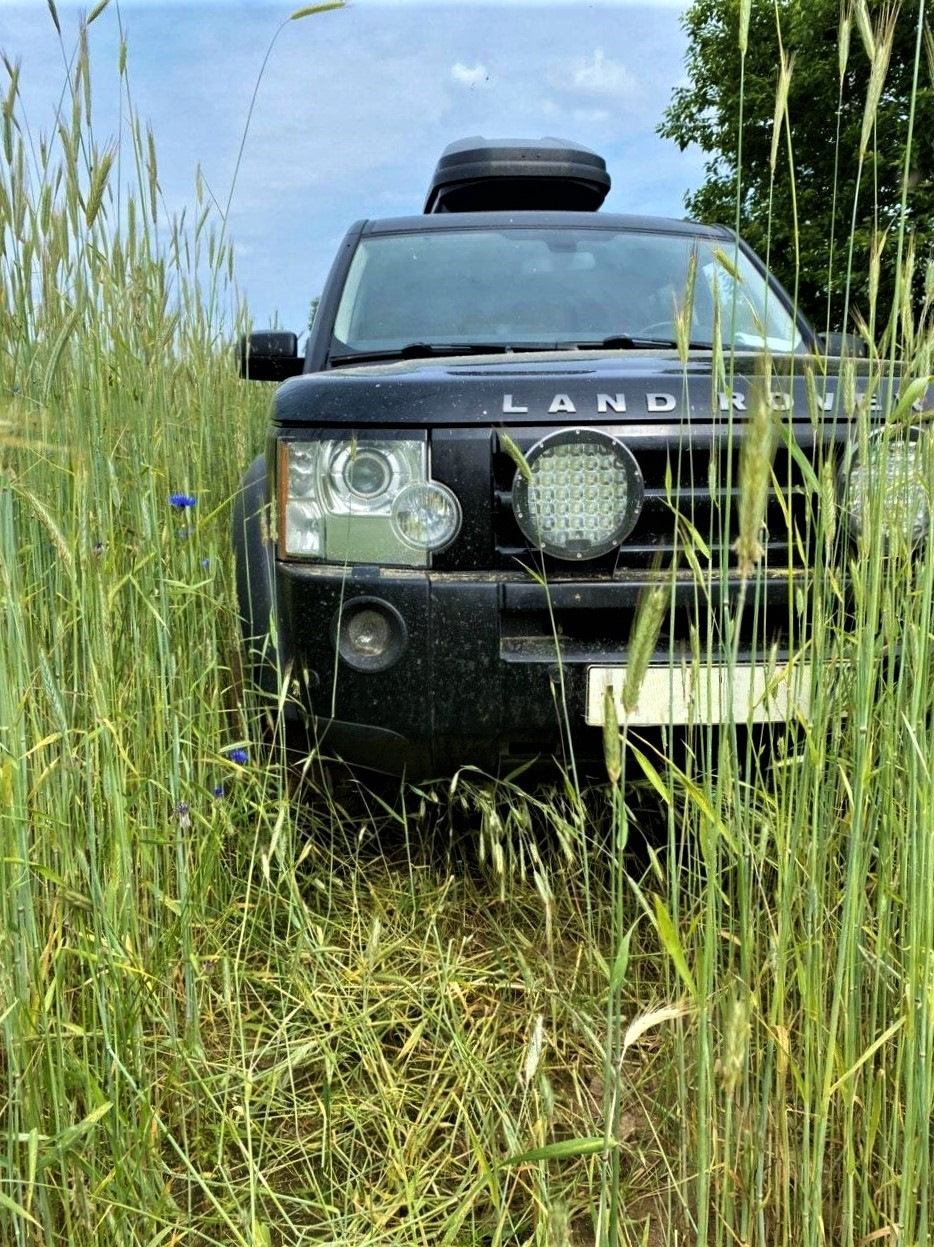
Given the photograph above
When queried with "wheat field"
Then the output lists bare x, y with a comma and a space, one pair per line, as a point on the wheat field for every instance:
691, 1004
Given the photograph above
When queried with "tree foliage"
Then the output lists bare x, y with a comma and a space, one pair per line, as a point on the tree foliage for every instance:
826, 190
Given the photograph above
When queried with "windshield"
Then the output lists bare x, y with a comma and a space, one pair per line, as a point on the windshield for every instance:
521, 287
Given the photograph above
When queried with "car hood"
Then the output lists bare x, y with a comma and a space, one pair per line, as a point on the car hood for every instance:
561, 387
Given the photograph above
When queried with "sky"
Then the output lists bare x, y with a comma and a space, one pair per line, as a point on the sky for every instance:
354, 107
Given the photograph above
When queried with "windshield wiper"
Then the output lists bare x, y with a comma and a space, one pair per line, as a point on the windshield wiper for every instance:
424, 350
625, 342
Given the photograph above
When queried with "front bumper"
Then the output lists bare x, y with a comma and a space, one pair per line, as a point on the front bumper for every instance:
494, 669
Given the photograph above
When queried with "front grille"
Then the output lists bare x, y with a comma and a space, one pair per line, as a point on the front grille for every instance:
684, 537
690, 511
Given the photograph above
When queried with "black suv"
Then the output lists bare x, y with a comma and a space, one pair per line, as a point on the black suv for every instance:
514, 416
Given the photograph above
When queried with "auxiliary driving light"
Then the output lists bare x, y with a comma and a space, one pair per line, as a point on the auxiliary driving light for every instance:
888, 485
578, 494
426, 515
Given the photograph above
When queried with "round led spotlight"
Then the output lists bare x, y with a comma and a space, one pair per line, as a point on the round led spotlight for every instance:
369, 634
581, 495
426, 515
889, 485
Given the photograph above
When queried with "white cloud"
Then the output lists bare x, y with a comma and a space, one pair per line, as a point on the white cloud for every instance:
598, 75
470, 75
354, 107
591, 115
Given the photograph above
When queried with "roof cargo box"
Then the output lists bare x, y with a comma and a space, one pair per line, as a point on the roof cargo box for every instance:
512, 175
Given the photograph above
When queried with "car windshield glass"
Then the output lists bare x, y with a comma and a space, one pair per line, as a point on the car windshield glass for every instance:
520, 286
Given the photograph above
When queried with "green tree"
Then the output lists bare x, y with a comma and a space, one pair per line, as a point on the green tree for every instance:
843, 77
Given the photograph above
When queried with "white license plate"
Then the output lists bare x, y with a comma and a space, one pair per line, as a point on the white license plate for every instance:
704, 694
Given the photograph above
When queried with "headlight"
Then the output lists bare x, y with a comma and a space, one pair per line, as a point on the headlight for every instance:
581, 496
362, 501
888, 486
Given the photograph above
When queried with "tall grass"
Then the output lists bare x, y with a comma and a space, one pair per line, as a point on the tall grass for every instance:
233, 1012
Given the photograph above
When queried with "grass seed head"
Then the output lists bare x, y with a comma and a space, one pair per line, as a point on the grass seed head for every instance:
727, 263
880, 55
533, 1051
829, 503
847, 385
864, 26
83, 68
96, 11
906, 284
844, 31
309, 9
612, 740
516, 455
684, 310
650, 614
755, 474
875, 266
731, 1063
152, 173
781, 104
99, 175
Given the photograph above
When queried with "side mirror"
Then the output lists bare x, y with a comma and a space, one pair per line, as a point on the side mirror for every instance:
271, 356
842, 344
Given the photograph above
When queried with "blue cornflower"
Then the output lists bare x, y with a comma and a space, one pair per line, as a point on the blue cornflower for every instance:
182, 814
217, 791
206, 563
182, 501
239, 756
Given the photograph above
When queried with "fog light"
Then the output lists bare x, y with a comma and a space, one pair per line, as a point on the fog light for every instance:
369, 634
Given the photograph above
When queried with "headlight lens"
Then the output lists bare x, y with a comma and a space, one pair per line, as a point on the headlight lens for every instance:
888, 485
582, 494
366, 473
355, 501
